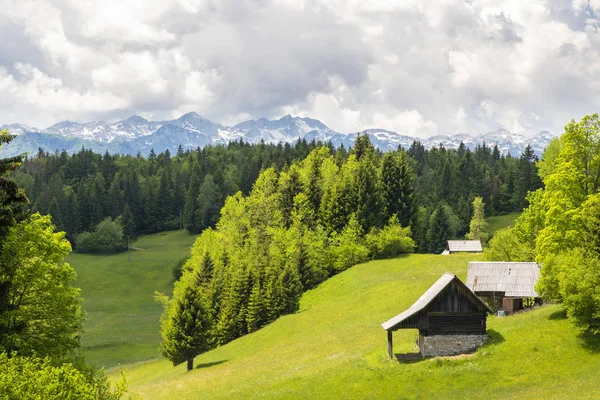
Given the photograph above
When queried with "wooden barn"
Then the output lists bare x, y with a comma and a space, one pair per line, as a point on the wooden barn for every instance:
506, 284
463, 246
451, 319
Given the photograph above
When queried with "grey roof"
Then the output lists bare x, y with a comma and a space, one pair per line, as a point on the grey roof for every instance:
424, 300
515, 279
465, 245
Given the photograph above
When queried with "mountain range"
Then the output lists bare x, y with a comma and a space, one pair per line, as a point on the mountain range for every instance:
138, 135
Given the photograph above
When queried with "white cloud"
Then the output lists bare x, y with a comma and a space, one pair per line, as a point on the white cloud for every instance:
403, 65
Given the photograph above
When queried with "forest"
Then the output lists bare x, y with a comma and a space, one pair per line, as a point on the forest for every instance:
114, 197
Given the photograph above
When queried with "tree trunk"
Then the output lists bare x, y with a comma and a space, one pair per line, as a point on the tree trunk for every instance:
190, 364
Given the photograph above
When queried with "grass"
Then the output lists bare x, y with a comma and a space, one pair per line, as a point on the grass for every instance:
122, 323
501, 221
334, 347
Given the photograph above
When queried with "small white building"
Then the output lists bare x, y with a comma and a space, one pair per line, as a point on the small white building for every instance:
465, 246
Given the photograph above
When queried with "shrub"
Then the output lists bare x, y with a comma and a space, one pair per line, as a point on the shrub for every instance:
35, 378
390, 241
107, 237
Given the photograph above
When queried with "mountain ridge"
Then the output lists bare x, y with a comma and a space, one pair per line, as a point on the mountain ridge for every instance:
136, 134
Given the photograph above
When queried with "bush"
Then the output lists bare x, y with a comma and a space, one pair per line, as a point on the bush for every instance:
390, 241
35, 378
347, 248
106, 238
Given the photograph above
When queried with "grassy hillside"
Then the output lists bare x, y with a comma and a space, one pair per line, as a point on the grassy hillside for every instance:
501, 221
335, 348
122, 318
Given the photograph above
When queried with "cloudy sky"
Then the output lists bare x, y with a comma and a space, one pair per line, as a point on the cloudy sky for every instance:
415, 67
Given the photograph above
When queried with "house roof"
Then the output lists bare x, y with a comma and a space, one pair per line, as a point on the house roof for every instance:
515, 279
465, 245
427, 297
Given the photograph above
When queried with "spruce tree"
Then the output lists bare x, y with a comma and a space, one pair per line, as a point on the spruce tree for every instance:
291, 289
256, 309
129, 228
12, 199
397, 187
186, 323
439, 231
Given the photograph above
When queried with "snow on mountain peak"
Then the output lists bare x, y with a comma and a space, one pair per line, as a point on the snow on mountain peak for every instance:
191, 130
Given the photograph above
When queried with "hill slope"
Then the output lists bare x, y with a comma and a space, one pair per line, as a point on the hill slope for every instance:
335, 348
122, 324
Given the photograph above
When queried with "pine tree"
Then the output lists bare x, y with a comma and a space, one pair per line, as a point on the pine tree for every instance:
186, 323
256, 309
129, 228
12, 198
397, 187
291, 289
56, 213
439, 231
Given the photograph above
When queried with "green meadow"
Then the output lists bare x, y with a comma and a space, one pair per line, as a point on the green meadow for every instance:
334, 347
122, 324
501, 221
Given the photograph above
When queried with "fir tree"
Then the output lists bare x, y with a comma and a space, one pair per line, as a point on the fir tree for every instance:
186, 323
129, 228
439, 231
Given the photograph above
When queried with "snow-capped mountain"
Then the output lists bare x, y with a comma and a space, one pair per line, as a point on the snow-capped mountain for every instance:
17, 129
134, 127
136, 134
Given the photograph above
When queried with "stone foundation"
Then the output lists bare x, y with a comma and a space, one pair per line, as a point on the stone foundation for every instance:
450, 345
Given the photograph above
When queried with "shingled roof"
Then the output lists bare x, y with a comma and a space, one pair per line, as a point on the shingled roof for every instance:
515, 279
427, 297
464, 245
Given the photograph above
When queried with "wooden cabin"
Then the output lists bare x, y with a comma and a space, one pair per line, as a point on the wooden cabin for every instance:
505, 284
451, 319
463, 246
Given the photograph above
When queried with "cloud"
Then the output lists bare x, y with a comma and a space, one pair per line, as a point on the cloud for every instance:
461, 66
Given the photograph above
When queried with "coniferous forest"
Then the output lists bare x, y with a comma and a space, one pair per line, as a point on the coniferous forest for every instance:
120, 196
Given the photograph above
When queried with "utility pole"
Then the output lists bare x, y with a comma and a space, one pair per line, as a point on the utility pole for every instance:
128, 254
180, 222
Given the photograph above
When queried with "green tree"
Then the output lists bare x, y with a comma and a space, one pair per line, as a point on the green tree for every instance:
439, 231
186, 324
478, 226
107, 237
390, 241
129, 228
41, 311
12, 198
35, 378
397, 187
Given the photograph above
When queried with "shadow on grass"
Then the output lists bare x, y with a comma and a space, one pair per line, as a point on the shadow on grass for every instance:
210, 364
590, 342
408, 358
560, 314
494, 337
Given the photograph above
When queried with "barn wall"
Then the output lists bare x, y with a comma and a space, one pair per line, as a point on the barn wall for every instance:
456, 324
450, 345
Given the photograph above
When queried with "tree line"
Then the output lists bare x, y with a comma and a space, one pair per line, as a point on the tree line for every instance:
161, 192
109, 198
313, 219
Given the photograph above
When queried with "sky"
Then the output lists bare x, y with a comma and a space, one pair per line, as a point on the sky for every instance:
418, 68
